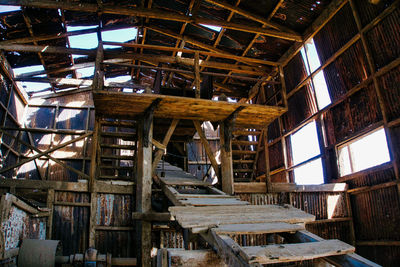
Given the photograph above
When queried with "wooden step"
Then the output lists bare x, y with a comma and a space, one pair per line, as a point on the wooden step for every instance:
244, 143
112, 177
296, 252
123, 135
197, 202
243, 152
258, 228
244, 132
242, 170
117, 157
243, 161
127, 168
115, 146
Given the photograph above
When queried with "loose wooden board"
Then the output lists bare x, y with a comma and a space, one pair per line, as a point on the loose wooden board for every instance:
212, 201
193, 217
129, 105
296, 252
258, 228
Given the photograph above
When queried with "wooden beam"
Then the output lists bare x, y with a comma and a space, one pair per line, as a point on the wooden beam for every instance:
197, 75
45, 152
149, 13
143, 188
98, 77
207, 148
159, 153
220, 54
226, 158
47, 49
251, 16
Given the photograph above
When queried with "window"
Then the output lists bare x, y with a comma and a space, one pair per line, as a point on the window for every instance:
318, 83
364, 152
306, 155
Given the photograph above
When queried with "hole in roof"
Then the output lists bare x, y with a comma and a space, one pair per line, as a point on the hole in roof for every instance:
24, 70
4, 9
33, 86
123, 78
85, 72
211, 27
121, 36
83, 41
79, 28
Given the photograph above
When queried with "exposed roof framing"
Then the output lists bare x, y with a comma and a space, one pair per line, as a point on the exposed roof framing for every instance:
244, 51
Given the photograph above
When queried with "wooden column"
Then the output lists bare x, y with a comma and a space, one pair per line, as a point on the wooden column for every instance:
50, 206
226, 157
94, 162
267, 167
197, 74
143, 186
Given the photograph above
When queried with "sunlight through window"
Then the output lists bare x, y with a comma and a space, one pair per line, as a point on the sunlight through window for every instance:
305, 143
363, 153
309, 173
321, 90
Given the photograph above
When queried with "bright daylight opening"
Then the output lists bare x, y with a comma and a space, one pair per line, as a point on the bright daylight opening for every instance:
214, 28
83, 41
312, 63
305, 146
30, 86
4, 9
363, 153
121, 36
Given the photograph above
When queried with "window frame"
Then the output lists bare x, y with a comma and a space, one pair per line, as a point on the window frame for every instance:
348, 142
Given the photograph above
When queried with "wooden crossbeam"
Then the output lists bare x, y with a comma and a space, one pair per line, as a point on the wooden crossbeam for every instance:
159, 153
207, 147
44, 153
151, 13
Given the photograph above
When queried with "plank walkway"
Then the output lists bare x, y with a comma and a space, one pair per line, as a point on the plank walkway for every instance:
205, 210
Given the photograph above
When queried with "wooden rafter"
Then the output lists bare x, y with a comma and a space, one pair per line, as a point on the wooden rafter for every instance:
151, 13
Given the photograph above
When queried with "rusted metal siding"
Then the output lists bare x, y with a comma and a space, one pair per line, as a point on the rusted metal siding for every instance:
368, 11
114, 210
336, 230
340, 76
391, 92
387, 256
333, 35
295, 72
276, 156
377, 214
360, 110
380, 175
384, 40
71, 224
118, 243
301, 106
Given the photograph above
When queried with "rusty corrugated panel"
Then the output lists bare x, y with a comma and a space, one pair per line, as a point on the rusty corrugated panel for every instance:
376, 214
333, 35
368, 11
360, 110
387, 256
14, 227
260, 199
300, 106
377, 176
71, 224
389, 84
114, 210
295, 72
347, 71
171, 239
276, 156
118, 243
335, 230
384, 40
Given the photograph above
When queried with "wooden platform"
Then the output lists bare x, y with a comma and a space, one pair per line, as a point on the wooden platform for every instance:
130, 105
205, 210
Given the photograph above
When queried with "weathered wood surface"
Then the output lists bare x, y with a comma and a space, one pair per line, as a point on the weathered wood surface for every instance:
212, 201
296, 252
132, 104
192, 217
194, 258
258, 228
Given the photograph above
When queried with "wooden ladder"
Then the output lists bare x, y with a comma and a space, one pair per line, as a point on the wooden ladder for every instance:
117, 148
245, 153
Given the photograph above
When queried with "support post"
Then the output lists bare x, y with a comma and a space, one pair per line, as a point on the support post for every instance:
143, 187
94, 162
197, 74
267, 167
226, 158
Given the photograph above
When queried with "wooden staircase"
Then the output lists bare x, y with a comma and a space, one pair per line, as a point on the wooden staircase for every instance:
245, 153
204, 210
117, 149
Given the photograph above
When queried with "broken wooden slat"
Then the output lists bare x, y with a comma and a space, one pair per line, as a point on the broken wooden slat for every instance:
296, 252
258, 228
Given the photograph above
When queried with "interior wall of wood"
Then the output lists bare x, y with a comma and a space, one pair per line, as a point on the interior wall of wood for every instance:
361, 67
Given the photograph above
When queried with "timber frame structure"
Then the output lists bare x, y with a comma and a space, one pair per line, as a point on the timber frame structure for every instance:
213, 89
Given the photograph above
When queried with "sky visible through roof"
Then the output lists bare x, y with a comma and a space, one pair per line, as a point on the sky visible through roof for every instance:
83, 41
